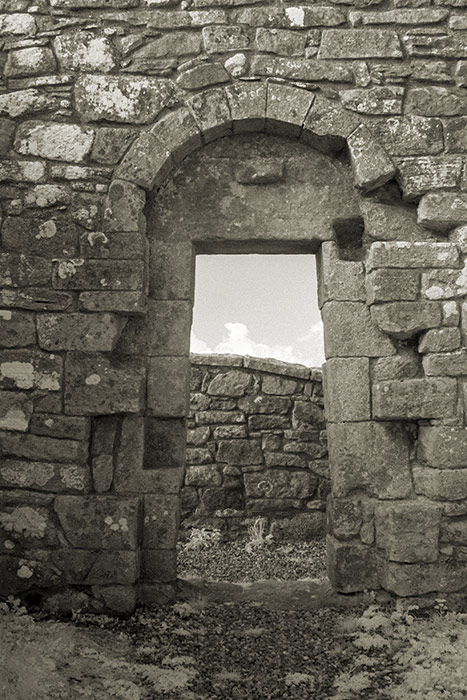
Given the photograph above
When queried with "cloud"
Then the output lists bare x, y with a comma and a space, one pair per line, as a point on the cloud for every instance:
237, 341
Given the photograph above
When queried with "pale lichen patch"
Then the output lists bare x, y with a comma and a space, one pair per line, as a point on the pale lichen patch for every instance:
25, 521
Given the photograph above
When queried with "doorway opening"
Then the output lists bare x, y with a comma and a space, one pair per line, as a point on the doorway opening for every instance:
253, 502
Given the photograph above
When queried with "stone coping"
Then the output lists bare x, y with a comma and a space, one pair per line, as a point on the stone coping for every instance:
261, 364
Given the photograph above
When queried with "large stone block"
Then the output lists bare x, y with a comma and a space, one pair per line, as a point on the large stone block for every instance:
168, 386
279, 386
78, 331
403, 319
18, 270
165, 330
30, 369
17, 328
132, 303
405, 365
412, 255
372, 166
440, 484
415, 398
306, 415
98, 384
84, 51
408, 532
31, 60
442, 210
419, 175
232, 383
287, 108
451, 364
127, 99
377, 100
47, 448
360, 43
247, 104
147, 163
388, 222
50, 234
345, 517
351, 566
338, 280
161, 520
55, 141
172, 270
440, 340
409, 579
99, 275
371, 456
409, 135
443, 446
164, 443
350, 332
454, 532
211, 112
83, 567
347, 389
277, 483
15, 410
179, 133
54, 477
99, 522
36, 299
328, 124
392, 285
240, 452
120, 245
301, 69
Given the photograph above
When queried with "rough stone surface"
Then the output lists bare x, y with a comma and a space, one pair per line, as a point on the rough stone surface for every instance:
350, 332
86, 332
415, 398
443, 446
347, 389
403, 319
54, 141
408, 532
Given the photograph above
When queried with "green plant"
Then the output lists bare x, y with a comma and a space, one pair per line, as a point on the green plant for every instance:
256, 535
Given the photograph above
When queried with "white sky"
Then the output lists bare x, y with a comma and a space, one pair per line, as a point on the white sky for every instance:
260, 305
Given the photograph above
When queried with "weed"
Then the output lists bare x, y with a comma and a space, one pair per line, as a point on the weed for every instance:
257, 537
201, 538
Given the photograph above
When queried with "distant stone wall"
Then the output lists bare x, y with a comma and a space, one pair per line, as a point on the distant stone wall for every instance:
256, 446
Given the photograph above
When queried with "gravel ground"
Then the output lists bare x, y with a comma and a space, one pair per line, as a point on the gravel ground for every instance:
230, 561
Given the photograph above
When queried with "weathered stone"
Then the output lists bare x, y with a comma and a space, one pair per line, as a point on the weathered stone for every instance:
211, 113
129, 302
124, 207
307, 16
442, 210
79, 273
20, 102
338, 280
147, 162
168, 386
287, 108
158, 565
202, 75
405, 365
17, 329
280, 41
172, 270
146, 58
22, 171
360, 43
409, 136
17, 24
260, 171
412, 255
247, 106
452, 364
228, 431
408, 532
15, 410
18, 270
282, 459
276, 483
165, 443
218, 39
455, 134
433, 101
444, 284
30, 446
418, 175
210, 417
279, 385
328, 124
97, 384
403, 319
165, 330
179, 132
44, 476
240, 452
55, 425
350, 332
306, 414
303, 527
454, 532
199, 436
28, 525
301, 69
409, 579
423, 15
415, 398
84, 51
351, 566
99, 522
203, 475
369, 455
440, 340
76, 331
392, 285
345, 517
371, 165
277, 366
198, 455
45, 234
264, 404
119, 245
111, 143
443, 446
445, 484
376, 100
126, 99
232, 383
347, 389
32, 60
30, 369
55, 141
161, 516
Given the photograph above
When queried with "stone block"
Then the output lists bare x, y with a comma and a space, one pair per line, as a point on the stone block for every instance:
49, 234
111, 143
264, 404
99, 275
32, 60
159, 565
424, 173
132, 303
165, 330
303, 527
306, 414
121, 98
387, 222
409, 135
199, 436
228, 432
223, 417
83, 567
276, 366
17, 328
360, 43
54, 141
247, 104
240, 452
168, 386
102, 472
347, 389
78, 331
442, 211
18, 23
454, 532
405, 365
198, 455
161, 520
164, 443
97, 384
408, 532
120, 245
49, 449
179, 133
280, 41
375, 100
369, 455
211, 112
54, 477
415, 398
440, 340
84, 51
450, 364
444, 284
279, 386
351, 566
308, 16
338, 280
59, 426
443, 446
440, 484
18, 270
15, 410
327, 125
203, 475
124, 207
278, 483
30, 369
99, 522
434, 101
147, 163
412, 255
404, 319
350, 332
36, 299
345, 516
301, 69
371, 165
202, 75
232, 383
409, 579
392, 285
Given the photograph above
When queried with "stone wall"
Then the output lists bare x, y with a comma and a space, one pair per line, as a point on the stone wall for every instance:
256, 447
101, 105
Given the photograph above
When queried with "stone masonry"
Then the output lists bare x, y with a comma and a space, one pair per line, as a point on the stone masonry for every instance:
136, 134
256, 447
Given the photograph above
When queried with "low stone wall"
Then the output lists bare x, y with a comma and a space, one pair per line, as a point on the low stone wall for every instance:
256, 447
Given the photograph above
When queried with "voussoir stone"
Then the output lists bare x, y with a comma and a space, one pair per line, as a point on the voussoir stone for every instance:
371, 164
